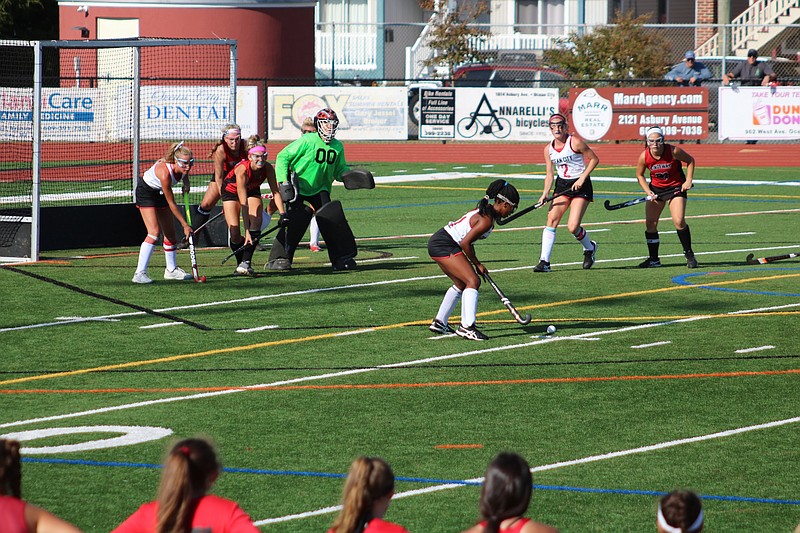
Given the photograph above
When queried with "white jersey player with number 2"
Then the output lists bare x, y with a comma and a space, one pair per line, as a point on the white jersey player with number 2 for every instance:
572, 160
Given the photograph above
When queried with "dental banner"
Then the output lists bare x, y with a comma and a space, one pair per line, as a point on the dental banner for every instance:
755, 113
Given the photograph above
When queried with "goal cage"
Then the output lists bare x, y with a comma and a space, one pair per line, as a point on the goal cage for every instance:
81, 120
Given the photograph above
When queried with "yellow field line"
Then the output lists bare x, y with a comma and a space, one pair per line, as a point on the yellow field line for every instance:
284, 342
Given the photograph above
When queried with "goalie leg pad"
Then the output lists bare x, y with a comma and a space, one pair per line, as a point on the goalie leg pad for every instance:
287, 239
337, 234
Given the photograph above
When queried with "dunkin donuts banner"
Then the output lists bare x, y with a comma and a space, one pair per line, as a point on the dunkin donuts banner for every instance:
753, 113
623, 114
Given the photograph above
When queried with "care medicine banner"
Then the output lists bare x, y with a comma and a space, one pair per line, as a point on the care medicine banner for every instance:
753, 113
504, 114
67, 114
623, 114
365, 113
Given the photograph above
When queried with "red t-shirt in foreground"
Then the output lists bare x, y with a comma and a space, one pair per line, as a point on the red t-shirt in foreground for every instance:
376, 525
212, 515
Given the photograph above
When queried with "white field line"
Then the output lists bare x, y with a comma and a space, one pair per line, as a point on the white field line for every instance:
757, 349
553, 466
161, 325
662, 343
739, 234
351, 372
257, 328
355, 332
355, 286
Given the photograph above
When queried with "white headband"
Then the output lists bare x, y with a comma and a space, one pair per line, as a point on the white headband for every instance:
662, 523
653, 129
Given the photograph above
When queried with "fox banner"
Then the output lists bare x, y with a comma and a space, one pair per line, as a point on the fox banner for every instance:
754, 113
364, 113
623, 114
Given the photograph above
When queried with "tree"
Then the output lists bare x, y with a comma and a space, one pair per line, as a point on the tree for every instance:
624, 50
453, 37
29, 19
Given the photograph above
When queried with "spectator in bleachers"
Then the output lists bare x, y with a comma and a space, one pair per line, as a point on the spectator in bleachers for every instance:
680, 511
367, 492
17, 515
751, 72
183, 505
689, 73
505, 497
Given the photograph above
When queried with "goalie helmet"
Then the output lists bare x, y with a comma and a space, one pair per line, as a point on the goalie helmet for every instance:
326, 122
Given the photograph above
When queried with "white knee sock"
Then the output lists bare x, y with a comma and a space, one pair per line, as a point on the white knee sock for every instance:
313, 230
451, 298
469, 307
171, 255
548, 240
583, 237
145, 253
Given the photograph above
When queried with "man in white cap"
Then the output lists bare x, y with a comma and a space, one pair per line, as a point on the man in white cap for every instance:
690, 72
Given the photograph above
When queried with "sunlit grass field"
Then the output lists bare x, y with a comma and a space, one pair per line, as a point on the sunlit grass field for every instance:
655, 379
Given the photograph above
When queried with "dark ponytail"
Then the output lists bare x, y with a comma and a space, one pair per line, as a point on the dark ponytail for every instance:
498, 189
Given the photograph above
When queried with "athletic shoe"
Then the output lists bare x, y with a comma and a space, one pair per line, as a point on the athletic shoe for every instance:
650, 263
588, 256
471, 333
437, 326
244, 269
314, 247
543, 266
183, 245
280, 264
141, 277
345, 264
691, 262
178, 274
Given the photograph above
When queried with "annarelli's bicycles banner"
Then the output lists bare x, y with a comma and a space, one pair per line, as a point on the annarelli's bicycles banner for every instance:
504, 114
623, 114
753, 113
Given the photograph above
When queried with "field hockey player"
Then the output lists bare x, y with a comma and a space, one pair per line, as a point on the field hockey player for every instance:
452, 249
665, 163
153, 196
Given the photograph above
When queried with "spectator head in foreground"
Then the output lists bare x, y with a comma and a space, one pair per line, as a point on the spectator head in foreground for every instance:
680, 511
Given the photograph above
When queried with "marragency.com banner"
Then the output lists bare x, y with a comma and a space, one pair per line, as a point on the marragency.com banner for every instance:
504, 114
753, 113
365, 113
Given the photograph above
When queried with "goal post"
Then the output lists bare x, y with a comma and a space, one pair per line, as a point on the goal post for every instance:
81, 120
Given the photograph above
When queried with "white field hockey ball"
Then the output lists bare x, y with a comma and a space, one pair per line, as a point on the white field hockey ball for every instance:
551, 329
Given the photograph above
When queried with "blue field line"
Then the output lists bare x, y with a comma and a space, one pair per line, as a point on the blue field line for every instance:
436, 481
684, 279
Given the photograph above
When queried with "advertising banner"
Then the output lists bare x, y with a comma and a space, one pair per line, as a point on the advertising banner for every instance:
504, 114
169, 112
67, 114
753, 113
623, 114
437, 113
365, 113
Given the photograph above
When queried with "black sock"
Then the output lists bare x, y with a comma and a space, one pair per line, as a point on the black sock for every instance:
247, 253
686, 240
652, 243
235, 246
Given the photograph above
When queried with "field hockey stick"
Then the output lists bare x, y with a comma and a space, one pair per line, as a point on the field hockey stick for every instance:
752, 260
192, 252
666, 195
209, 221
528, 209
255, 241
507, 302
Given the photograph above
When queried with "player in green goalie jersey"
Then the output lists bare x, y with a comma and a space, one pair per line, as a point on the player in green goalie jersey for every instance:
316, 161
